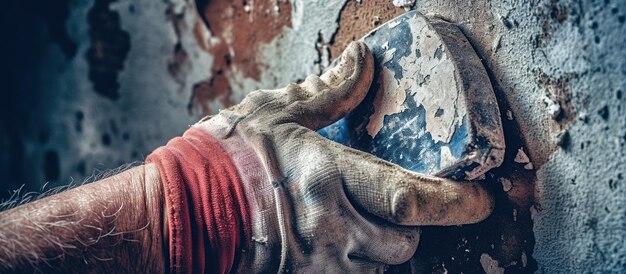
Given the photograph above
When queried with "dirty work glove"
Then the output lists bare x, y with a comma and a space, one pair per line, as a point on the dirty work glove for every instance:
295, 201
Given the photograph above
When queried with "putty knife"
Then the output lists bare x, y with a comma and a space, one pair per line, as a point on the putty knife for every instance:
431, 107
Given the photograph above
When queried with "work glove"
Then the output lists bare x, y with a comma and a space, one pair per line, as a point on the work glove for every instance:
317, 206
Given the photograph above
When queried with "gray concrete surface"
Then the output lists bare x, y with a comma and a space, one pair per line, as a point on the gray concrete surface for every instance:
558, 69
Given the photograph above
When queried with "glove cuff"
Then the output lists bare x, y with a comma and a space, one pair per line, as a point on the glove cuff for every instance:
208, 214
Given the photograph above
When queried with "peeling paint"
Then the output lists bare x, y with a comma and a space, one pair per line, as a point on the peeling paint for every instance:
236, 43
428, 74
417, 106
432, 86
389, 99
108, 51
357, 19
403, 3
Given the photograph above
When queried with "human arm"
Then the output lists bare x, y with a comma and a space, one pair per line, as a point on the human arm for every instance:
108, 226
289, 199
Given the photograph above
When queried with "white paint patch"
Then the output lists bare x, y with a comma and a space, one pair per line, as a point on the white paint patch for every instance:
446, 157
554, 109
389, 55
433, 84
403, 3
394, 24
429, 77
388, 101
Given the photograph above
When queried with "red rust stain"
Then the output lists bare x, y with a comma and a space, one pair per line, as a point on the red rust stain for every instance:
204, 92
356, 20
236, 35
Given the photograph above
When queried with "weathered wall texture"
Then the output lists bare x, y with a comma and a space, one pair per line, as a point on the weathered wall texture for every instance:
92, 84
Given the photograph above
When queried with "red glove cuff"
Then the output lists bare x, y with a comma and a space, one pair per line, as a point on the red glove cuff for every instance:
208, 217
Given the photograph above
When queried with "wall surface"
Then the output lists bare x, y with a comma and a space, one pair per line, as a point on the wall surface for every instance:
92, 84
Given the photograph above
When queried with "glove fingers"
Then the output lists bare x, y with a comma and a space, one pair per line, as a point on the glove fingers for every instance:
384, 242
318, 101
336, 92
407, 198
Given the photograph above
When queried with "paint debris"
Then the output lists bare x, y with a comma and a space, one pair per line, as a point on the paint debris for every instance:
376, 20
554, 109
506, 184
497, 43
524, 259
522, 158
533, 212
509, 115
490, 266
403, 3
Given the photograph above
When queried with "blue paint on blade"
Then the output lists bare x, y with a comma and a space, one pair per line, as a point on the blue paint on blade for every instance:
403, 139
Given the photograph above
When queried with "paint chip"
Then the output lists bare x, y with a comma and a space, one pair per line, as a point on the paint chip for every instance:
554, 109
509, 115
506, 184
521, 157
403, 3
490, 266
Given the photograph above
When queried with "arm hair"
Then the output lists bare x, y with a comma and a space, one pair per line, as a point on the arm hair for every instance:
111, 225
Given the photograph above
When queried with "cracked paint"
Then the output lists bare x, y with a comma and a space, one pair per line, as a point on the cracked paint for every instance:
428, 74
415, 114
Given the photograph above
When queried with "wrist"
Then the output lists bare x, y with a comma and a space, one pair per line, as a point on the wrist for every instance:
156, 208
207, 215
264, 243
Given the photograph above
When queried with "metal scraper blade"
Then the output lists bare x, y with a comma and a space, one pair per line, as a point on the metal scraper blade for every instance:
431, 108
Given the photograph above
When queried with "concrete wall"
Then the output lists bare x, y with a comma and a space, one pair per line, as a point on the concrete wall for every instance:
92, 84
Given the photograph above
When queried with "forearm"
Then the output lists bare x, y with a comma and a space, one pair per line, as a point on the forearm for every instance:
114, 224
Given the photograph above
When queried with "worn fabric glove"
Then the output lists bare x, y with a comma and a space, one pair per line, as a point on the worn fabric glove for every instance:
312, 205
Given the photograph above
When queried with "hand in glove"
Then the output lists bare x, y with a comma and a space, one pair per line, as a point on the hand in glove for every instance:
256, 189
